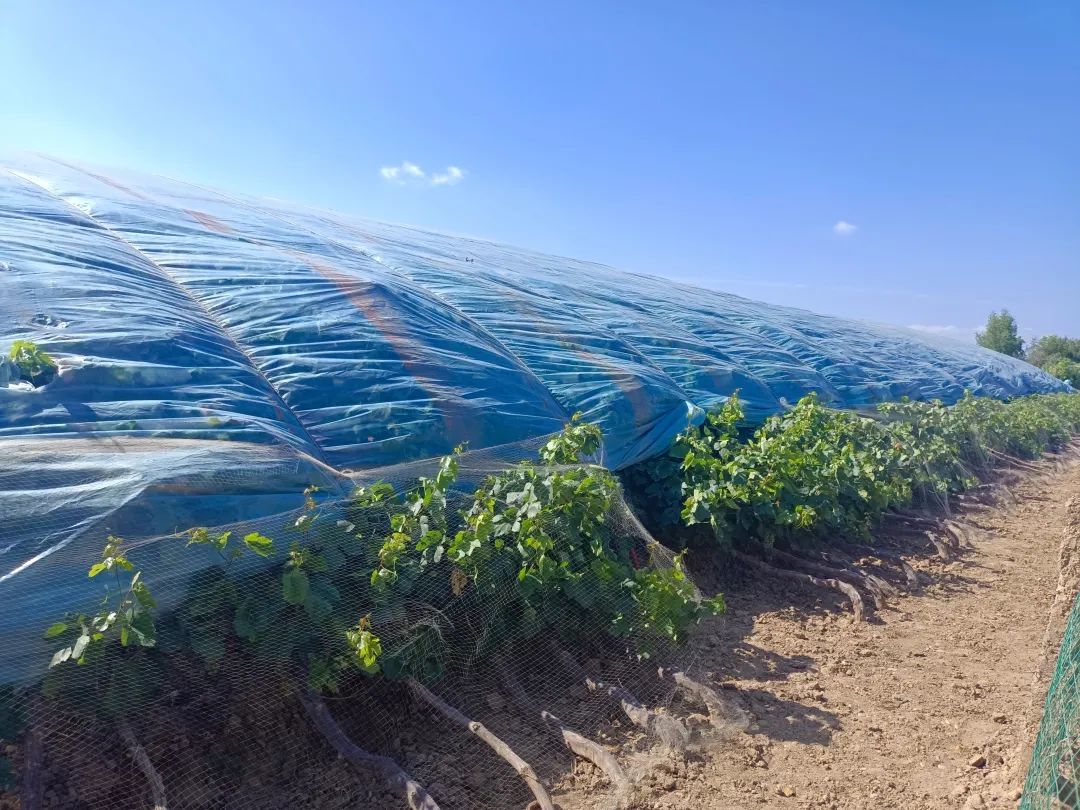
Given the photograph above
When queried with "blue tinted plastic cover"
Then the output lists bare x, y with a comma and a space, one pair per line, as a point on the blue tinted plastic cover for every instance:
219, 353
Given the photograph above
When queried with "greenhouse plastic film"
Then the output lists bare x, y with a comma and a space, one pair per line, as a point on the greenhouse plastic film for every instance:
218, 354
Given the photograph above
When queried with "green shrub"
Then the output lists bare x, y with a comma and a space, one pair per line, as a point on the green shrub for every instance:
535, 547
1064, 369
813, 473
34, 364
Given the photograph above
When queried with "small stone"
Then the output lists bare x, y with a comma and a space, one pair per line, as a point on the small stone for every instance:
785, 790
958, 791
975, 802
978, 761
1000, 717
1016, 794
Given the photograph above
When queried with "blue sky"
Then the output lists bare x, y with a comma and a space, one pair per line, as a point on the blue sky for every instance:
716, 143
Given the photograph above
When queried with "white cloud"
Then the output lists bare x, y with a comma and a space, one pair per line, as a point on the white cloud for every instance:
411, 173
843, 228
403, 172
452, 175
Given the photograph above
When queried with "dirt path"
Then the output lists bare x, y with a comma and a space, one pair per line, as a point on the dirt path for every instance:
931, 704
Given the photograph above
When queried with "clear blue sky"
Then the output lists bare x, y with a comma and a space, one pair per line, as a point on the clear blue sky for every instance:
718, 143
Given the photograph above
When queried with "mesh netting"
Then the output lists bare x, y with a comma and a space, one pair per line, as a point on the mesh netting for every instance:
1053, 780
243, 700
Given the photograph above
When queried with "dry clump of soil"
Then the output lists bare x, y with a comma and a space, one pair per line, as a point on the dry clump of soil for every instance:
932, 703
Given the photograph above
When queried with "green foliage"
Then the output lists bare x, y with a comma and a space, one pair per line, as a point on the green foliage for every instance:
34, 364
1052, 347
808, 472
1001, 335
258, 544
289, 616
117, 677
419, 523
1059, 356
125, 613
1064, 368
814, 473
228, 547
532, 548
536, 541
667, 603
365, 645
535, 547
578, 441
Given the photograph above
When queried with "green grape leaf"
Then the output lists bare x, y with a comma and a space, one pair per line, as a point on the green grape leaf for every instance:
294, 586
259, 544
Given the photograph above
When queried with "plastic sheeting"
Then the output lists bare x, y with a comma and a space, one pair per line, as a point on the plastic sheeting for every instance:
219, 353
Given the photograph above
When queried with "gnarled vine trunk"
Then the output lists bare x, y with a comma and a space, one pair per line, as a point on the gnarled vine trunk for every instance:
396, 778
523, 768
798, 576
142, 760
575, 742
669, 729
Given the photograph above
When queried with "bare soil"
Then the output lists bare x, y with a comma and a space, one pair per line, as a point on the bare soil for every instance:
932, 703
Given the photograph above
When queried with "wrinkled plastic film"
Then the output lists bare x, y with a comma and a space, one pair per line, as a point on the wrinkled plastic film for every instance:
200, 332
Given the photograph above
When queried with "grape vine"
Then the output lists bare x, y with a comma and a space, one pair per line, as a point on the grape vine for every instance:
531, 548
813, 473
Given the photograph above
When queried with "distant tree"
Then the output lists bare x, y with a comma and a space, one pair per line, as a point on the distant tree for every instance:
1051, 347
1000, 335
